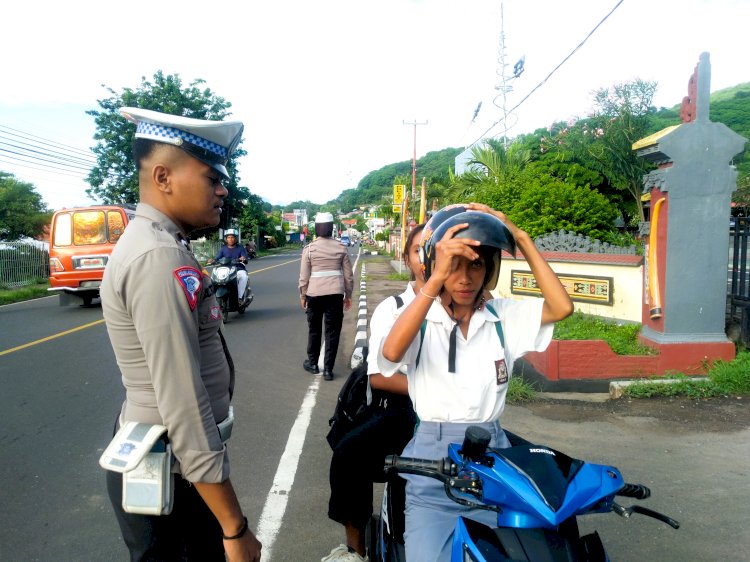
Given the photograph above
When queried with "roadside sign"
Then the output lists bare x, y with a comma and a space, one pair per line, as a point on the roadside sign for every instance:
397, 209
398, 194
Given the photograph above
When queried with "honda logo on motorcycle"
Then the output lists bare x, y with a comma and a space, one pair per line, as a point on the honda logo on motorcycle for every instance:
546, 451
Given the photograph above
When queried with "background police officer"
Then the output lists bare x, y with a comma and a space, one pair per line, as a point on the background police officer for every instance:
325, 291
164, 324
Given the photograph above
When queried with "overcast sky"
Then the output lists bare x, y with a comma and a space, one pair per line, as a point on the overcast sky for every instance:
324, 87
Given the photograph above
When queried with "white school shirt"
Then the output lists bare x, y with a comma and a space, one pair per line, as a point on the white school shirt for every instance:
475, 393
383, 318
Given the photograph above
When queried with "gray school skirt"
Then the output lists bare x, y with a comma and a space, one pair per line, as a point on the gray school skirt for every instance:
430, 514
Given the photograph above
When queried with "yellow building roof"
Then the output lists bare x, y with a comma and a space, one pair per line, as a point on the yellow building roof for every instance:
653, 139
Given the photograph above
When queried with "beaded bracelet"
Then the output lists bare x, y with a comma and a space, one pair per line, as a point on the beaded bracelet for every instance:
239, 535
421, 290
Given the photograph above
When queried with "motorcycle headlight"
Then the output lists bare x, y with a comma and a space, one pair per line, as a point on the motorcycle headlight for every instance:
221, 273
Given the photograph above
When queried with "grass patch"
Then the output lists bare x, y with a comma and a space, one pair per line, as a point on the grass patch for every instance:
8, 296
519, 391
724, 378
396, 276
623, 339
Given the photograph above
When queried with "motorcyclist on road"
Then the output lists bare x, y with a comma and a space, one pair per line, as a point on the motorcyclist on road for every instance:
250, 247
234, 252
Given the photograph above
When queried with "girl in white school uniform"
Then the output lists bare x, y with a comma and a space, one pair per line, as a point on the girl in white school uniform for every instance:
458, 371
359, 457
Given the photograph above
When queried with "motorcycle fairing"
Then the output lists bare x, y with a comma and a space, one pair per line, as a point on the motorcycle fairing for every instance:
583, 487
550, 471
476, 542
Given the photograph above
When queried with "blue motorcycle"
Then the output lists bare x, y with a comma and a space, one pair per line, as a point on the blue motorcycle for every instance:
537, 493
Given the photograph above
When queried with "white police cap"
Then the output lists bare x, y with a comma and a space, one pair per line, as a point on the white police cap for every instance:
211, 142
323, 217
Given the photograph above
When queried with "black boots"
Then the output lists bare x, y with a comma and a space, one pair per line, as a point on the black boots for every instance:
309, 367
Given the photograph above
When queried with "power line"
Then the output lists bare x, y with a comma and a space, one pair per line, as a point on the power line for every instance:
42, 140
30, 176
551, 73
25, 158
43, 156
21, 145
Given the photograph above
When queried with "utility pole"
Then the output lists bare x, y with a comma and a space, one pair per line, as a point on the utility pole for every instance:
414, 160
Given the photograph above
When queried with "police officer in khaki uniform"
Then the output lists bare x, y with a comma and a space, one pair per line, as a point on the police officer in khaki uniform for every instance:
325, 291
165, 327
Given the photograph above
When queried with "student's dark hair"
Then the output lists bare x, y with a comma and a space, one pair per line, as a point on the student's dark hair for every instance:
324, 229
409, 241
491, 259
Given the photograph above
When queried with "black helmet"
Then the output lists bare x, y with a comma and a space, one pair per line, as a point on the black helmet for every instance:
436, 220
489, 230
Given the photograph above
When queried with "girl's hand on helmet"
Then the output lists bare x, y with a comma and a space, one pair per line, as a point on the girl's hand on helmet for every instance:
449, 248
514, 230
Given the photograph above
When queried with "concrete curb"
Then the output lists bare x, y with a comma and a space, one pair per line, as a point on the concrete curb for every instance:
360, 339
617, 388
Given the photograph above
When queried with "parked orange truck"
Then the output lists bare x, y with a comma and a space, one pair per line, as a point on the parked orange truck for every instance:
81, 240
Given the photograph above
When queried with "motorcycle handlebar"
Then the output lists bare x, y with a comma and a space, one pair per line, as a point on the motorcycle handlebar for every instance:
637, 491
426, 467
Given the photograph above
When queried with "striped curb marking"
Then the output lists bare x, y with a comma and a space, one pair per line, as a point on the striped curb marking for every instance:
360, 341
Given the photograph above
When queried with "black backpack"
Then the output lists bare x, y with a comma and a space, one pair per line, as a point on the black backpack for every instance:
351, 405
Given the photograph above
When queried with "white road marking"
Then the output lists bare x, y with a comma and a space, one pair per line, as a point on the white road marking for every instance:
278, 497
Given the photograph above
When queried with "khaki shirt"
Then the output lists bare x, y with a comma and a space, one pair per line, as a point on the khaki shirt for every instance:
163, 321
325, 269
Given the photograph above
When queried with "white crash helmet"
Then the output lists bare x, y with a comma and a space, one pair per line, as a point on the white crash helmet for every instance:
231, 232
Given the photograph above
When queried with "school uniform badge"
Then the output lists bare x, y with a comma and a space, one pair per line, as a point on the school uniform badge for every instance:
501, 372
190, 281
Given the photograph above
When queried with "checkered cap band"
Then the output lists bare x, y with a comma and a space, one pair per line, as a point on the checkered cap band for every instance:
153, 131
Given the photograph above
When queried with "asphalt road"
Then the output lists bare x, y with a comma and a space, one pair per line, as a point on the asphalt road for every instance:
60, 397
62, 390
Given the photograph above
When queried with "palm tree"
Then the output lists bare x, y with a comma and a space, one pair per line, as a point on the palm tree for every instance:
492, 169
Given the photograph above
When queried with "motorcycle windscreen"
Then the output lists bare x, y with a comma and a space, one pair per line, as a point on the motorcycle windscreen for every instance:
550, 471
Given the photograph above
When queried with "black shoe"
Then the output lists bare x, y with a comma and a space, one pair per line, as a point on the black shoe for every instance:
310, 368
328, 374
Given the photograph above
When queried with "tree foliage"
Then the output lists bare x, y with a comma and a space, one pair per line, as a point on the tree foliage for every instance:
22, 210
254, 220
603, 142
492, 175
547, 204
114, 178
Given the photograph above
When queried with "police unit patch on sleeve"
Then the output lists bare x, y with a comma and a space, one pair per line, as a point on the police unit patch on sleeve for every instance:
190, 281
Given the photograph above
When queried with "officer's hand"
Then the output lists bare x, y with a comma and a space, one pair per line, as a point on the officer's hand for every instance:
244, 549
303, 303
347, 304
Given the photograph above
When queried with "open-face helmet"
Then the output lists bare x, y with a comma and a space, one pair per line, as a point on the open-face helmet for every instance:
436, 220
489, 230
231, 232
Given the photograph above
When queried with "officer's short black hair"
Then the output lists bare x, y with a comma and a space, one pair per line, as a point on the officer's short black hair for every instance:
142, 149
324, 229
